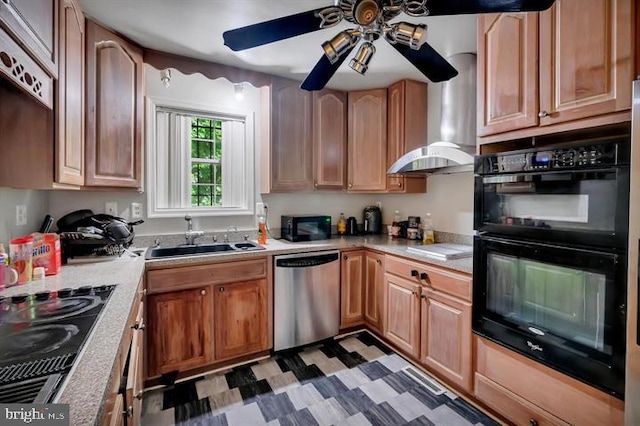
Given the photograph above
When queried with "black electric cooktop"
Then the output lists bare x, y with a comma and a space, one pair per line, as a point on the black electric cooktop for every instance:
41, 336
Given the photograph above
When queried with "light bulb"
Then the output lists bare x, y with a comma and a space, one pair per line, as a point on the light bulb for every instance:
238, 90
165, 77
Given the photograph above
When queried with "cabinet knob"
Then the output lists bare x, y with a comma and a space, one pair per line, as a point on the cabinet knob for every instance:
221, 289
424, 276
379, 261
533, 422
422, 296
414, 273
203, 292
315, 184
344, 257
129, 411
350, 184
138, 395
399, 184
543, 114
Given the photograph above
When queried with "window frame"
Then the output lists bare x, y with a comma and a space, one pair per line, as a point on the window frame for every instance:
153, 169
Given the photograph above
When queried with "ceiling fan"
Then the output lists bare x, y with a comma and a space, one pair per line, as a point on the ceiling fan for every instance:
371, 18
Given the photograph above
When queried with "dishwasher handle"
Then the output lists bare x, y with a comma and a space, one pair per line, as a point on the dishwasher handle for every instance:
307, 261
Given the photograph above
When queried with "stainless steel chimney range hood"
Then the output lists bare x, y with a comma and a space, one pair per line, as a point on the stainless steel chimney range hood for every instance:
454, 153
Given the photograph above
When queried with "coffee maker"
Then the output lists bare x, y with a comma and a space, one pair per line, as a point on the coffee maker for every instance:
372, 220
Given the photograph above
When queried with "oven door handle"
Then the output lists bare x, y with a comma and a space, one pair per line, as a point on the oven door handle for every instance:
507, 179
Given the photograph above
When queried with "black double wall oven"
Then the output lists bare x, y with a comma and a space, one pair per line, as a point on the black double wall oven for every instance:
550, 250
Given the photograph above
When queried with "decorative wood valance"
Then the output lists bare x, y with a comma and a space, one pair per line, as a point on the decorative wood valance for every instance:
162, 60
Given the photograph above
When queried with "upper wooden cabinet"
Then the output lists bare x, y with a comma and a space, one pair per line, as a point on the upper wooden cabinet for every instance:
580, 75
367, 141
329, 139
29, 47
406, 130
69, 160
34, 24
114, 110
507, 72
291, 137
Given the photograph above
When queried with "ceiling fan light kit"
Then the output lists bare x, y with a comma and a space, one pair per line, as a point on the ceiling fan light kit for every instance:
371, 18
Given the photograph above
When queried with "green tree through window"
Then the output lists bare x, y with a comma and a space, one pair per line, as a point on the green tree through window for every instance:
206, 162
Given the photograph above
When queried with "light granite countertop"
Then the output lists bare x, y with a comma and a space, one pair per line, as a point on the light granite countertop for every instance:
380, 243
86, 385
88, 381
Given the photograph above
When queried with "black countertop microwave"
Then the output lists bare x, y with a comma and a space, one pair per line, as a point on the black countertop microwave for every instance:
305, 227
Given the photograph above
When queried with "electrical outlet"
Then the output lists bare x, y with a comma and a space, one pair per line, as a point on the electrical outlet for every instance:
136, 210
21, 214
261, 209
379, 204
111, 208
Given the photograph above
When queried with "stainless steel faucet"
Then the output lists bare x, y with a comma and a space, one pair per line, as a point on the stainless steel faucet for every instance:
231, 228
191, 235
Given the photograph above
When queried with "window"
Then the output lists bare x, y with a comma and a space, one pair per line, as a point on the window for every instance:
200, 160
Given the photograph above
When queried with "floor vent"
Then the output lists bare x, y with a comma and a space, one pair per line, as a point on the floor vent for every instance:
426, 381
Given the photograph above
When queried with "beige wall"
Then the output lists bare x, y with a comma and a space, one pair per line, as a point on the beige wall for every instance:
37, 203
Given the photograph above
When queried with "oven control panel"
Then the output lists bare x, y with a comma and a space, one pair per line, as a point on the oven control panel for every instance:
577, 157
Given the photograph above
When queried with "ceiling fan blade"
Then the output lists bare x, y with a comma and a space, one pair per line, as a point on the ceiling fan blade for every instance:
459, 7
274, 30
428, 61
322, 72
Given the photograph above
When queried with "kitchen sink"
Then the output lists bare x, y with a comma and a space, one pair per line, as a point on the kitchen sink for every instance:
201, 249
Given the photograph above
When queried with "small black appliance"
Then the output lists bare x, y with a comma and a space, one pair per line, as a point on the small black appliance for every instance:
372, 219
305, 227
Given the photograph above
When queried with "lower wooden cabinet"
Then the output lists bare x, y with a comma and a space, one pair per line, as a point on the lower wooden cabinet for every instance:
240, 318
374, 312
527, 392
209, 313
135, 374
428, 317
402, 326
351, 288
446, 339
180, 326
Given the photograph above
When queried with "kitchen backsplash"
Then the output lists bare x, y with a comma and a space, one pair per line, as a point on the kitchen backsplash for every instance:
37, 203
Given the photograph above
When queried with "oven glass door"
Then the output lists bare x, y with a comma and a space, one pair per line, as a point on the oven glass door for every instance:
588, 207
562, 305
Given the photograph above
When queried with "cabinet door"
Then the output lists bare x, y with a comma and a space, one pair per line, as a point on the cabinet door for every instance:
446, 337
70, 96
329, 139
586, 64
179, 330
403, 314
406, 130
34, 23
135, 377
240, 318
367, 140
507, 72
374, 290
351, 288
291, 140
114, 110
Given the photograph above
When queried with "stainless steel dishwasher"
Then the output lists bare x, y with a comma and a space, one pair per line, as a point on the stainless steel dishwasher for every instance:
306, 299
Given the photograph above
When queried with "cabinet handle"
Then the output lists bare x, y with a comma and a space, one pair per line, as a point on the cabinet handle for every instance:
138, 395
129, 411
379, 261
399, 184
424, 276
345, 257
221, 289
414, 273
422, 296
203, 292
350, 184
143, 292
543, 114
533, 422
315, 184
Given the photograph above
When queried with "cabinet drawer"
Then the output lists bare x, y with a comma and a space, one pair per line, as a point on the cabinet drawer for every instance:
458, 285
552, 391
163, 280
511, 406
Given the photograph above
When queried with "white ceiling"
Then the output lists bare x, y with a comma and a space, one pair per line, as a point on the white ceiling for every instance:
194, 28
